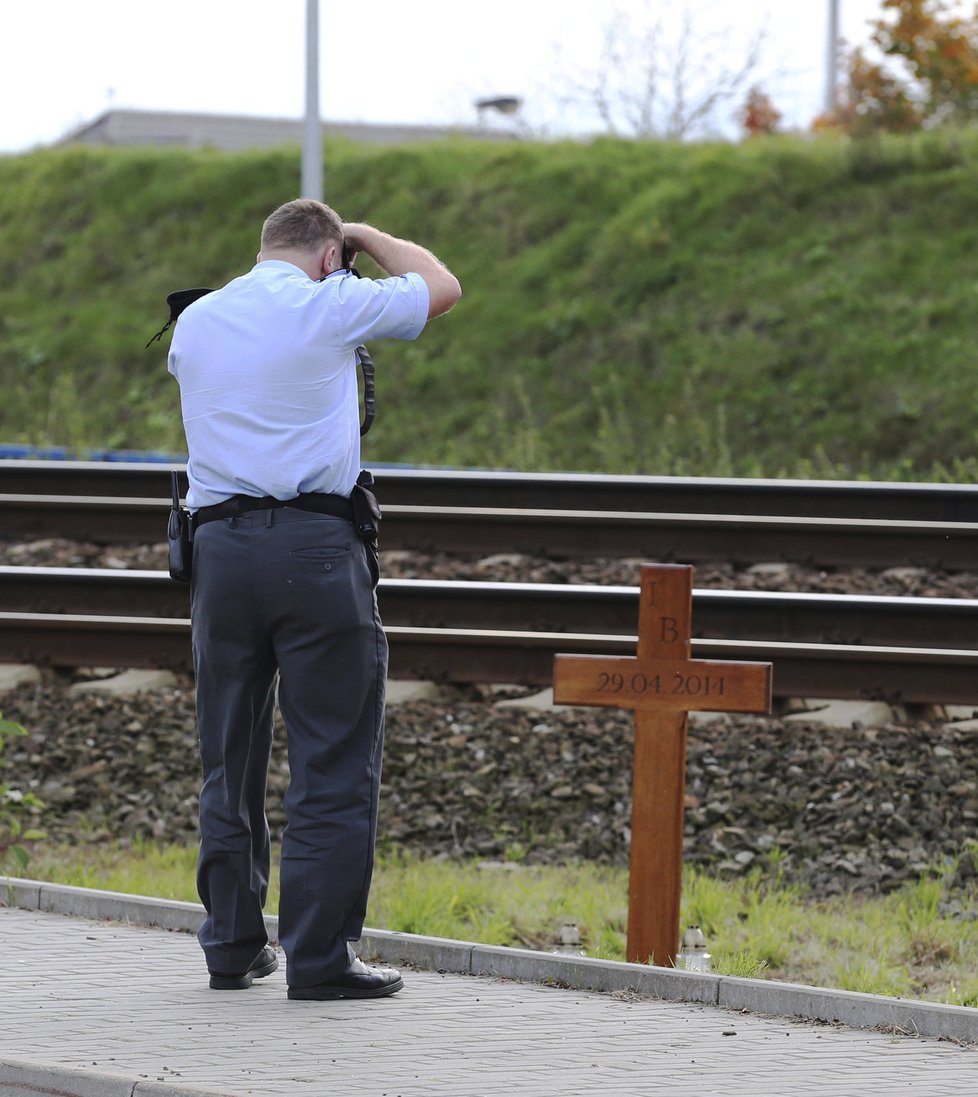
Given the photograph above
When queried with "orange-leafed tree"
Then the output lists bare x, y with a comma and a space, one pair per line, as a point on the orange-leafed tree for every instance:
927, 73
759, 115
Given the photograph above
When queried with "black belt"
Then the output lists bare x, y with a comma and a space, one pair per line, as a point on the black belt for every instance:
317, 502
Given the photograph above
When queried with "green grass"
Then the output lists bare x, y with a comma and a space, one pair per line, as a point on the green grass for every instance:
907, 943
782, 307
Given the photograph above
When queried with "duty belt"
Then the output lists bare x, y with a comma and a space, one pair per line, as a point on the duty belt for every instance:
318, 502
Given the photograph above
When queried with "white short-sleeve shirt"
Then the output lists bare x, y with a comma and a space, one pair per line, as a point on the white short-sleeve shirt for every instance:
268, 378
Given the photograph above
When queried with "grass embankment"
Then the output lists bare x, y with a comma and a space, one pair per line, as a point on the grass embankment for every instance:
782, 307
909, 943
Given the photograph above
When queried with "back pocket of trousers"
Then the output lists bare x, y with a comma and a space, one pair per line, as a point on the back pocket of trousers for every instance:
324, 557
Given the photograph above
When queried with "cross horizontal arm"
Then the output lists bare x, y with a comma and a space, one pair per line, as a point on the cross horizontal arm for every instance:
683, 685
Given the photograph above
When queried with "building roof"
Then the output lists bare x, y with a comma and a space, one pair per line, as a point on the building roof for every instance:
235, 133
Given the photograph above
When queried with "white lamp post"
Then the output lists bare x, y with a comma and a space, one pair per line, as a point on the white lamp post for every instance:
312, 141
832, 60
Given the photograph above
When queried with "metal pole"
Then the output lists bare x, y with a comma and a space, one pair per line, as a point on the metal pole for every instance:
832, 60
312, 142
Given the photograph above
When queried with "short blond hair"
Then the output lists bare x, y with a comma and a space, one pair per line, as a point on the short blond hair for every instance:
301, 225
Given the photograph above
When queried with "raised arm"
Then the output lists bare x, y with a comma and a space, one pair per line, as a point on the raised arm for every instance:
396, 256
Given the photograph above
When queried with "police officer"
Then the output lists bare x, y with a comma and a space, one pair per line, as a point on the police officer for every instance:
283, 589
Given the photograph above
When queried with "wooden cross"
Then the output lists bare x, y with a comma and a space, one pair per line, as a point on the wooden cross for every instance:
662, 684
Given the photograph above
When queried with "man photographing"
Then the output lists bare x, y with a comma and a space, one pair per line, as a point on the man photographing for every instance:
283, 589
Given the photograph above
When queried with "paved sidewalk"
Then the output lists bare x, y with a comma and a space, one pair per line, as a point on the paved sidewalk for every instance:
120, 1010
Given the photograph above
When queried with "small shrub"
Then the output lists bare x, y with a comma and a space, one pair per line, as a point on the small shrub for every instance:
742, 963
870, 976
17, 809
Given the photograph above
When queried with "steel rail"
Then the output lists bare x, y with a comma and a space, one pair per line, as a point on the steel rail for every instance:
691, 538
549, 491
894, 674
544, 607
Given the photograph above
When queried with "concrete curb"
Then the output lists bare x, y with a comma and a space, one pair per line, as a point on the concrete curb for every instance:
23, 1079
803, 1003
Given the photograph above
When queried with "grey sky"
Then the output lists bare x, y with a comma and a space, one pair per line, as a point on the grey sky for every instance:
65, 61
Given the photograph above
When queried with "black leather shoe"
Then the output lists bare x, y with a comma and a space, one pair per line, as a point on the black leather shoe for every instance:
265, 963
358, 981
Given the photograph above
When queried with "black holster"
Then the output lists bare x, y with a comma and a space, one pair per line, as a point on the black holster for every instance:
366, 519
180, 537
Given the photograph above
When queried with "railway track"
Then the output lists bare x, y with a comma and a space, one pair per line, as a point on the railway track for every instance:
904, 675
909, 649
549, 491
690, 538
524, 607
912, 650
692, 519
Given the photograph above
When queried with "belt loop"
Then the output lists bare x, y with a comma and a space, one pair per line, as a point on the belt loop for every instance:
268, 518
233, 522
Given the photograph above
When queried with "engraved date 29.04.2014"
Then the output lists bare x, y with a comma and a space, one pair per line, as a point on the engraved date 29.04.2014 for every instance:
676, 684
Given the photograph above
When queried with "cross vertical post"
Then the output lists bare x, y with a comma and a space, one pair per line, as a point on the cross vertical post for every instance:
662, 684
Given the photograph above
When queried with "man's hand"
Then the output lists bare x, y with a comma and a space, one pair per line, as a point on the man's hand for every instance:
349, 256
354, 234
396, 256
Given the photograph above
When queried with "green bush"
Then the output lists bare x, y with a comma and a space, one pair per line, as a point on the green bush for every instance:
788, 306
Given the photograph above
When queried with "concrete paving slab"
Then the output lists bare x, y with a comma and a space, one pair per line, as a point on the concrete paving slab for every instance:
761, 996
847, 714
129, 683
89, 1006
13, 675
707, 719
962, 725
404, 690
534, 702
960, 712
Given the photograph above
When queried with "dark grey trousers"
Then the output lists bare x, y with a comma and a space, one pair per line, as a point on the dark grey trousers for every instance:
287, 596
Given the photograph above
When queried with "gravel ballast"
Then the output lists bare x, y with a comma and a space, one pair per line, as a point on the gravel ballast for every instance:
863, 808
